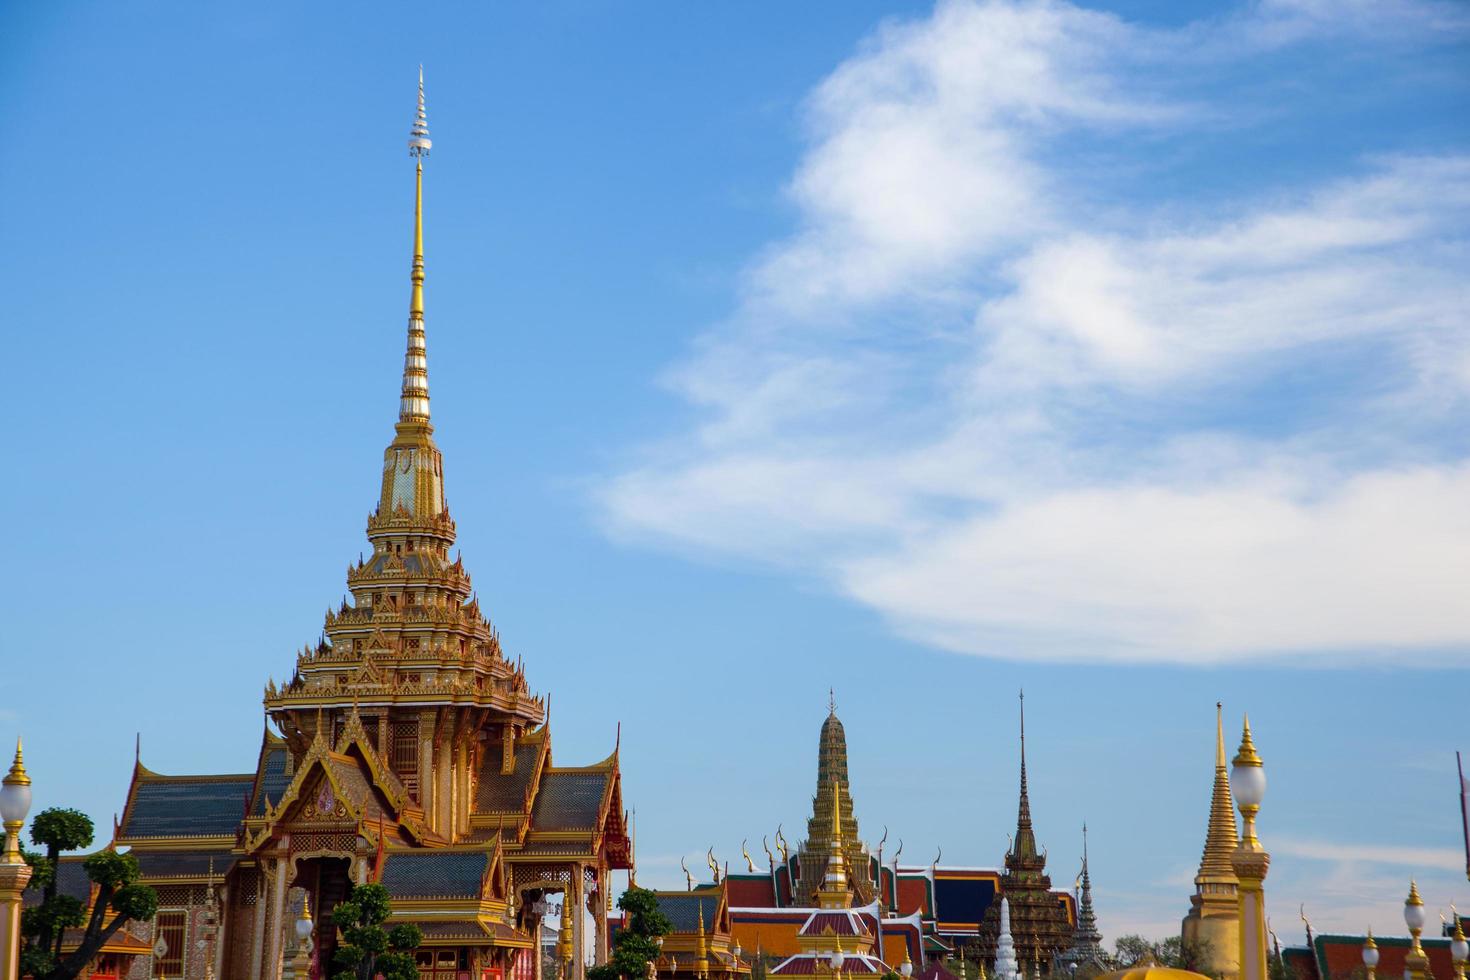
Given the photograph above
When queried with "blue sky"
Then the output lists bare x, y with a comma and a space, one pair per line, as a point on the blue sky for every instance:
1116, 352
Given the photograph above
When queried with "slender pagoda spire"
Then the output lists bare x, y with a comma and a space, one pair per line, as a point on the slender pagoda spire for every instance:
1213, 919
414, 403
1220, 835
413, 468
833, 893
1025, 845
1086, 939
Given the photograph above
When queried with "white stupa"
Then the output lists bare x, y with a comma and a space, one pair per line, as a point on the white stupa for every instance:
1005, 947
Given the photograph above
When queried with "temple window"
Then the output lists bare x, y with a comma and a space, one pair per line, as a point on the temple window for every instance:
170, 929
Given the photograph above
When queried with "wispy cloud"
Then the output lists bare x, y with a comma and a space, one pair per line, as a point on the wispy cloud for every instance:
1019, 418
1421, 858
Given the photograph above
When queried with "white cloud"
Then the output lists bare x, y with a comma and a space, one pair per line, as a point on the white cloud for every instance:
1410, 857
1021, 422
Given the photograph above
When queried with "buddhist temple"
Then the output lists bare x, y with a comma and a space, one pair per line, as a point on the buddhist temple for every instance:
1213, 925
405, 748
1041, 920
889, 912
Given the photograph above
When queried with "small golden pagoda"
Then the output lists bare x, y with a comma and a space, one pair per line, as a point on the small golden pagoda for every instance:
1213, 922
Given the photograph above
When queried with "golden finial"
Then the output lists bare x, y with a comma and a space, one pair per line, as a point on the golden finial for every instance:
17, 775
1246, 755
831, 701
1414, 898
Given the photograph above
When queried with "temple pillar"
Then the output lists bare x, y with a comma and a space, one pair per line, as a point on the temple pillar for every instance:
257, 932
461, 807
536, 949
576, 906
277, 918
444, 787
223, 913
426, 763
603, 880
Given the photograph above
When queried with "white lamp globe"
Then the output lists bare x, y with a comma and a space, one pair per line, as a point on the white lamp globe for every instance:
1370, 956
736, 951
906, 968
303, 927
1415, 916
837, 960
1459, 950
15, 801
1248, 784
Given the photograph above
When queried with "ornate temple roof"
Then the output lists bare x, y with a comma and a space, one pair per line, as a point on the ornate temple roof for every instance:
570, 800
201, 864
435, 873
177, 807
841, 923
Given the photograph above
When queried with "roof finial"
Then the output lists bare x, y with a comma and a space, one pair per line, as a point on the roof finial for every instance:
831, 701
414, 401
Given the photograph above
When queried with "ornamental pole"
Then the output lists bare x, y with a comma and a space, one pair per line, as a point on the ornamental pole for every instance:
1250, 860
15, 874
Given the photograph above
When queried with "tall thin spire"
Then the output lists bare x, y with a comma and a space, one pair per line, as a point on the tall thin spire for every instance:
1086, 940
1025, 838
414, 403
1220, 835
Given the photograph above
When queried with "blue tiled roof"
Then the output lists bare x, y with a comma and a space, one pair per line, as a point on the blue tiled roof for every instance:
435, 874
568, 800
188, 806
683, 910
183, 864
71, 879
272, 781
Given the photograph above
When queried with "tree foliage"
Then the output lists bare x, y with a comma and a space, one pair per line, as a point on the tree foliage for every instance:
638, 941
368, 950
1172, 952
120, 898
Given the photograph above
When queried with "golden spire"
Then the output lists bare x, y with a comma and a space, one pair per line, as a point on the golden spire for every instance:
17, 775
1220, 835
414, 403
701, 950
832, 893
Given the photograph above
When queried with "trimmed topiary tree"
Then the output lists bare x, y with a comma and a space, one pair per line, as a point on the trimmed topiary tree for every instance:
368, 950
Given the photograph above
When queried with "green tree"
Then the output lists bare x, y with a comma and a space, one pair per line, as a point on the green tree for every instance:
368, 950
120, 898
638, 940
1171, 952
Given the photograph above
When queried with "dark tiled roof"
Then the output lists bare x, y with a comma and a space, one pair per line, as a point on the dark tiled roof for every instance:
559, 849
683, 910
187, 806
569, 800
497, 792
272, 781
183, 864
435, 874
71, 879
